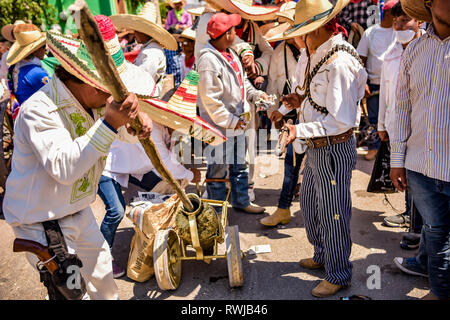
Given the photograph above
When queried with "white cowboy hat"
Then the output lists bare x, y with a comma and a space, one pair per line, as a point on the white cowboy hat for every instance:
246, 9
146, 22
29, 38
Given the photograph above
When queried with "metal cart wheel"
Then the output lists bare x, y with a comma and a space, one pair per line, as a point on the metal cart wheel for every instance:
234, 257
166, 259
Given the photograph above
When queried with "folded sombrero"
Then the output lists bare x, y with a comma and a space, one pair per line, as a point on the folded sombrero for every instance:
246, 9
145, 22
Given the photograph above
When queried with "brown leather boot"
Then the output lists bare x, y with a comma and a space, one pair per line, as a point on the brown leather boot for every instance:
282, 216
310, 264
326, 289
252, 208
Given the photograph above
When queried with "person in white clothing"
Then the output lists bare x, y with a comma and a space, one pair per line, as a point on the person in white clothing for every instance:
62, 137
372, 48
329, 88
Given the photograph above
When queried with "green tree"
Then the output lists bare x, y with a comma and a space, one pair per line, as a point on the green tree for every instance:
38, 12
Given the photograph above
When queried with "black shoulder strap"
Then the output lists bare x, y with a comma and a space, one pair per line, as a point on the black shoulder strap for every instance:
55, 239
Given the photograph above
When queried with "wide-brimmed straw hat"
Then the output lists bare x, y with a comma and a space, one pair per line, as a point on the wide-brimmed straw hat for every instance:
277, 33
29, 38
416, 9
311, 15
187, 33
180, 112
287, 12
74, 57
196, 11
7, 30
146, 22
246, 9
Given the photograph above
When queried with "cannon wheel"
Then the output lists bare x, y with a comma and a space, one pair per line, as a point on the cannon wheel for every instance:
166, 259
234, 258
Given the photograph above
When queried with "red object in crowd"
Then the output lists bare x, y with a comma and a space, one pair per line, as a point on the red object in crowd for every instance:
131, 56
389, 5
221, 23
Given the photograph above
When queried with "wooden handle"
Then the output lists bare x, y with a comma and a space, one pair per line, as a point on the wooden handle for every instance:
104, 63
22, 245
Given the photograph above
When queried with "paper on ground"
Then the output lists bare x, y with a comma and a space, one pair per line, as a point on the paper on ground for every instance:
263, 248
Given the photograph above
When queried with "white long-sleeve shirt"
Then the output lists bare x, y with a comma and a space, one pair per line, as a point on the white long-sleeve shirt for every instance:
59, 152
388, 87
338, 86
152, 59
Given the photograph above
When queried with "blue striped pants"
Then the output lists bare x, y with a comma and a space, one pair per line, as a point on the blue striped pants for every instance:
326, 205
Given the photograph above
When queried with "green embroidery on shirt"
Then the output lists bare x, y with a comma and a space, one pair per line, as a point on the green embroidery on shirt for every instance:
84, 185
78, 120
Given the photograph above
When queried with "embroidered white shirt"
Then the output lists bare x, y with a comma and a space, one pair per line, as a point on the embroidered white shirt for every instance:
338, 86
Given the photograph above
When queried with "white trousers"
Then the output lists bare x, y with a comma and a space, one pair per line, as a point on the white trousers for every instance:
83, 237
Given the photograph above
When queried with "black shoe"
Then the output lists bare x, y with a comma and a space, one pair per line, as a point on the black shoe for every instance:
410, 241
410, 266
400, 220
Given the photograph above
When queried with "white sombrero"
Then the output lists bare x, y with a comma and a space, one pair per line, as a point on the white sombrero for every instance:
196, 11
246, 9
181, 112
309, 16
146, 22
188, 33
28, 39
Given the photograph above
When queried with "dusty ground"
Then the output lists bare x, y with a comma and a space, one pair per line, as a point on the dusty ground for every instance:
274, 275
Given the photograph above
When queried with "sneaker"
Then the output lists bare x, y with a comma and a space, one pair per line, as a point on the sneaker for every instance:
399, 220
410, 241
410, 266
118, 271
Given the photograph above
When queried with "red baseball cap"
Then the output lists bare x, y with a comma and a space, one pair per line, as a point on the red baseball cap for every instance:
221, 23
388, 5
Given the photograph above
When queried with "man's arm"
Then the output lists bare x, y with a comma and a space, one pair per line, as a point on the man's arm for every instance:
402, 130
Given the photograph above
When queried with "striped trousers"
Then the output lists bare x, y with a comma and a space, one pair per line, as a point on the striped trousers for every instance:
326, 205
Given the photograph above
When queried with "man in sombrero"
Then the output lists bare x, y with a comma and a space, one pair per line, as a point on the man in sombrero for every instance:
153, 38
178, 19
331, 81
62, 137
420, 143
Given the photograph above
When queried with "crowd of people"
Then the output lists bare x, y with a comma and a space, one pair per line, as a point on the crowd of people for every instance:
316, 67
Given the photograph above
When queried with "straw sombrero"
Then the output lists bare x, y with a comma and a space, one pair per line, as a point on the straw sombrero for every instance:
28, 39
188, 33
74, 57
276, 33
196, 11
416, 9
309, 16
287, 12
246, 9
146, 22
7, 31
181, 112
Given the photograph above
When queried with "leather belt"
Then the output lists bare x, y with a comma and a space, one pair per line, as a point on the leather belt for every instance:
315, 143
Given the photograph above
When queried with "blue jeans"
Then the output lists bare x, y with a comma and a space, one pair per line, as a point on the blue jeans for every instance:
229, 155
432, 199
372, 110
110, 192
290, 180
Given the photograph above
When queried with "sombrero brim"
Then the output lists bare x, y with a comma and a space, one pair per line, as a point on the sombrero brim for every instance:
7, 32
196, 127
255, 13
187, 33
65, 51
196, 11
134, 22
276, 34
17, 53
417, 10
295, 32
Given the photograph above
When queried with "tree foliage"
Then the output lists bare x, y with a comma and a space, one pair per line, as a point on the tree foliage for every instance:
37, 11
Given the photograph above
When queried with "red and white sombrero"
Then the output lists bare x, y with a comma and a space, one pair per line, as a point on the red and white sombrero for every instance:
246, 9
180, 112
